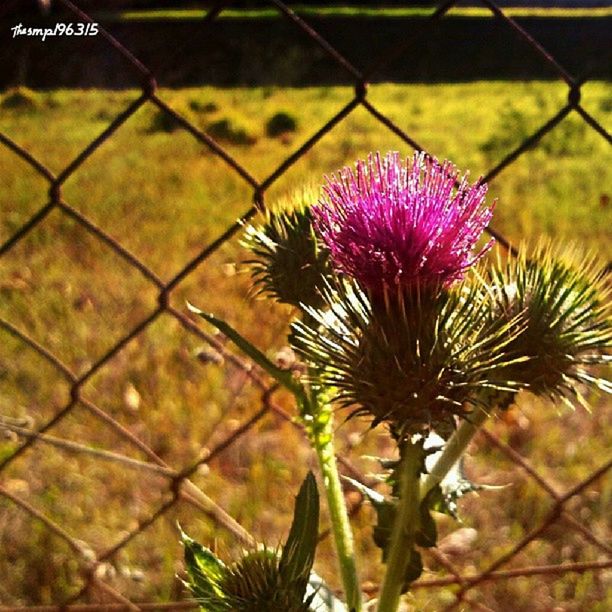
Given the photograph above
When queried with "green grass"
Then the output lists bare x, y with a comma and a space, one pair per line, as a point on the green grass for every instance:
355, 11
164, 196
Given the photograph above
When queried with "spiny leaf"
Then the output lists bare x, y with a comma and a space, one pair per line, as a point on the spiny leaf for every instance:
299, 550
283, 377
205, 570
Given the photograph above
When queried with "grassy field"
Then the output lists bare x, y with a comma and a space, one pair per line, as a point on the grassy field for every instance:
164, 196
358, 11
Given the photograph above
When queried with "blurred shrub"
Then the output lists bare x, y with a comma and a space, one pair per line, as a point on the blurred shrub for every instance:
198, 106
163, 122
233, 130
20, 98
280, 123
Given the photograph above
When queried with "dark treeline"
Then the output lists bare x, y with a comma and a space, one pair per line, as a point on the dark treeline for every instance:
274, 52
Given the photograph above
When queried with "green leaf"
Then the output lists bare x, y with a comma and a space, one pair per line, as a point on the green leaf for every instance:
385, 513
427, 535
283, 377
204, 569
414, 569
299, 550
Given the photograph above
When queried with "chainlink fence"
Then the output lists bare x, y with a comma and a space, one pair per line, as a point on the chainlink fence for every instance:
90, 566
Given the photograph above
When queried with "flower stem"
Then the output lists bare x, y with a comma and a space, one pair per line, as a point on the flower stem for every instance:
454, 448
323, 441
405, 527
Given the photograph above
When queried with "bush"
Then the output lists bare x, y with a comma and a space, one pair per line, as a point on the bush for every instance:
281, 123
163, 122
512, 129
231, 130
203, 107
20, 98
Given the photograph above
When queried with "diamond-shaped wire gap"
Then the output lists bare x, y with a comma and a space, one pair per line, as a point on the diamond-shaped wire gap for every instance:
466, 122
212, 481
430, 53
24, 193
566, 460
222, 285
534, 44
321, 39
80, 297
268, 463
187, 201
556, 188
524, 505
192, 37
171, 390
351, 138
146, 567
63, 123
84, 432
28, 576
248, 52
33, 392
281, 121
99, 500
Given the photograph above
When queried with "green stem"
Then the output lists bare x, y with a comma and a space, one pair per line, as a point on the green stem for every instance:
319, 422
323, 441
405, 527
453, 449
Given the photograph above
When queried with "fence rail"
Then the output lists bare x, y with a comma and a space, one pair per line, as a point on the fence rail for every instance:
178, 487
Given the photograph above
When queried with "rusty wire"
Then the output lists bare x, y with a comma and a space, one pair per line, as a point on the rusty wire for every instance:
179, 487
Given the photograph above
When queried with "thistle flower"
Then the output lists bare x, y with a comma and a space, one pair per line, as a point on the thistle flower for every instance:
392, 224
564, 300
414, 368
289, 263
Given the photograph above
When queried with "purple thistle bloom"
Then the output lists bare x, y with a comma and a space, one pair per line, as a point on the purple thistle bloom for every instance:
394, 224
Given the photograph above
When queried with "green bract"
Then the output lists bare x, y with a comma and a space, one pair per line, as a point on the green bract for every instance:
289, 263
262, 580
411, 362
564, 302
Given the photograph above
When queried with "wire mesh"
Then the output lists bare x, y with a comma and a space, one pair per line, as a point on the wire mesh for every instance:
177, 487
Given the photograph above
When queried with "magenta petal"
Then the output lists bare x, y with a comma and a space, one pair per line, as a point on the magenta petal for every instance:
392, 224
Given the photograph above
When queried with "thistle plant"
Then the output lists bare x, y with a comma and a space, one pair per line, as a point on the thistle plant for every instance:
399, 318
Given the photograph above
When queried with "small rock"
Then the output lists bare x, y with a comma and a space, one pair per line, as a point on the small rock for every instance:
131, 397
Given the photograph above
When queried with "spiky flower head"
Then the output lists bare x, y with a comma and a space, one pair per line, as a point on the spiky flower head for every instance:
251, 584
289, 262
263, 579
414, 368
394, 224
563, 297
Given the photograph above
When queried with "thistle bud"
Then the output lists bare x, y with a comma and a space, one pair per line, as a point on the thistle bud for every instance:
563, 301
289, 263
